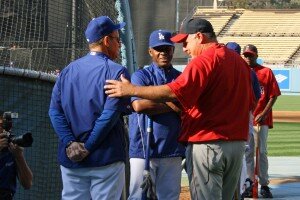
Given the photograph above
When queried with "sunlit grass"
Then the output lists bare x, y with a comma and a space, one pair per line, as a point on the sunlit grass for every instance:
284, 139
287, 103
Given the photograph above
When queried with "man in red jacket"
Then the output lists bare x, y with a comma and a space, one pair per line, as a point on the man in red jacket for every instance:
263, 119
215, 93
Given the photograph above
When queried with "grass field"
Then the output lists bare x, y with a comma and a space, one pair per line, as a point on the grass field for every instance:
287, 103
284, 139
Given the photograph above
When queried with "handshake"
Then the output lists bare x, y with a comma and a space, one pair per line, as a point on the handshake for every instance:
76, 151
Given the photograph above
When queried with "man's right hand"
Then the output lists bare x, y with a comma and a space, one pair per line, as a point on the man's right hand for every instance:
76, 152
3, 141
123, 88
260, 118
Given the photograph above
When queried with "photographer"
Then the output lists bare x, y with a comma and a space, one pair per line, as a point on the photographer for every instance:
12, 166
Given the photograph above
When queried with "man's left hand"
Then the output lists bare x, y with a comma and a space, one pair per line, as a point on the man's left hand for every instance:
15, 149
77, 152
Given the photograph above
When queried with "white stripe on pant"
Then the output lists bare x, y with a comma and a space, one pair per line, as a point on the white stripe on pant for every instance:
165, 173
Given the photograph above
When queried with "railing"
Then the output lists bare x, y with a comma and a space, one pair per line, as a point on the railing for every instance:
39, 59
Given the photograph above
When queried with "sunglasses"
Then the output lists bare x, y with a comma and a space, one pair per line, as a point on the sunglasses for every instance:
116, 38
164, 48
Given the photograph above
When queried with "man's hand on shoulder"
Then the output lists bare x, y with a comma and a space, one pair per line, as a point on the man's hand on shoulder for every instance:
123, 88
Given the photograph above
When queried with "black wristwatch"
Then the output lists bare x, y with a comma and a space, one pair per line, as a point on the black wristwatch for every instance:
69, 143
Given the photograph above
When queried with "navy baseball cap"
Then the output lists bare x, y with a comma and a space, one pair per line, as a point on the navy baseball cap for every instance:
234, 46
191, 26
250, 49
100, 27
159, 38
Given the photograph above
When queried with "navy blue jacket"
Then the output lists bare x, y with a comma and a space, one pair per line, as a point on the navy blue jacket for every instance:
166, 126
81, 111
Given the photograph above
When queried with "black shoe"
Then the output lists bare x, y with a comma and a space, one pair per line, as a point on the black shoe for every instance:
248, 191
265, 192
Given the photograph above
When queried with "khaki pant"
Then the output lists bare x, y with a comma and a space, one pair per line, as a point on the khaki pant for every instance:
214, 169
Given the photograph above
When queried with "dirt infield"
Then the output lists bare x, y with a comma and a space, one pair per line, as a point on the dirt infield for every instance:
185, 193
286, 116
279, 116
278, 181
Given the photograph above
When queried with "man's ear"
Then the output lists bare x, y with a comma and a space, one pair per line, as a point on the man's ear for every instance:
106, 41
150, 52
201, 37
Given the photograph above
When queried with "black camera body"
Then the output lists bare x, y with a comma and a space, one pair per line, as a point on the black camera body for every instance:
24, 140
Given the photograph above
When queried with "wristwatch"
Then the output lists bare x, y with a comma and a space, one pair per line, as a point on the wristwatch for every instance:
69, 143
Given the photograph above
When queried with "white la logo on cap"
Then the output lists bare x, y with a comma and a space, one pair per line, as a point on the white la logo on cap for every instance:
161, 36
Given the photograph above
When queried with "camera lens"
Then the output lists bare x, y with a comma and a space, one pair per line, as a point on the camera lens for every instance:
24, 140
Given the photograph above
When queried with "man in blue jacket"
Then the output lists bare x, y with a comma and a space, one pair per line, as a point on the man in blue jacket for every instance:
88, 123
165, 152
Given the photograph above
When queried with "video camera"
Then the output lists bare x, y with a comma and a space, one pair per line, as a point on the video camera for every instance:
24, 140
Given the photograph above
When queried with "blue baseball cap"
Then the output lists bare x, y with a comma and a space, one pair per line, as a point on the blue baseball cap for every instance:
159, 38
234, 46
100, 27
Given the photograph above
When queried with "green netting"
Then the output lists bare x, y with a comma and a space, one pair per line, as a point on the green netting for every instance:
30, 99
45, 35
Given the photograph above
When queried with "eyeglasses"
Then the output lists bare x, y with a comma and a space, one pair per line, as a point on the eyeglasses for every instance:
117, 38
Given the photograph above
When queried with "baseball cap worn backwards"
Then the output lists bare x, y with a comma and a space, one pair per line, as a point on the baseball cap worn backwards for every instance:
160, 38
250, 49
191, 26
100, 27
234, 46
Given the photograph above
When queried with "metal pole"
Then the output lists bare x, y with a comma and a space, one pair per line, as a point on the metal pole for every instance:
128, 46
73, 26
177, 16
146, 172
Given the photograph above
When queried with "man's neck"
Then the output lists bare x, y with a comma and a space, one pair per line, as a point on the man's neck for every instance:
165, 67
100, 49
97, 49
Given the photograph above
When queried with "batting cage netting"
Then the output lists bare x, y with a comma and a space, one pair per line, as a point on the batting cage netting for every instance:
39, 38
